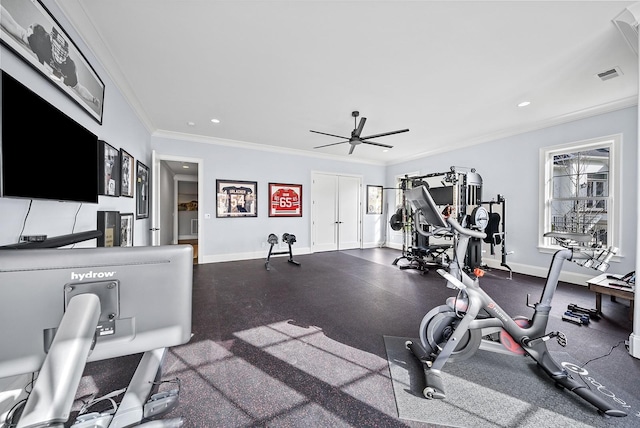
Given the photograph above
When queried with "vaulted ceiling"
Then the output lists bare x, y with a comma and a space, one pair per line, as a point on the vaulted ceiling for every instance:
452, 72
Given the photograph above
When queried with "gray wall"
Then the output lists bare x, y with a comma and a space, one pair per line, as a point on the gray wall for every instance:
120, 128
510, 167
238, 238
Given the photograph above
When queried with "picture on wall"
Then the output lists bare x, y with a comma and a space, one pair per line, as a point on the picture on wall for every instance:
110, 169
126, 230
236, 198
109, 225
29, 30
374, 199
142, 190
285, 200
127, 169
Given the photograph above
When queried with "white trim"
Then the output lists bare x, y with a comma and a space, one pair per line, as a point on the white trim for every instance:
545, 164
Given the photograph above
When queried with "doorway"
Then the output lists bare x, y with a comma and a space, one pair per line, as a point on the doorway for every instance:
336, 222
176, 194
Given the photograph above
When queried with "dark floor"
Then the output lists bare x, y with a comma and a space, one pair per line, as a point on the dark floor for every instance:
303, 345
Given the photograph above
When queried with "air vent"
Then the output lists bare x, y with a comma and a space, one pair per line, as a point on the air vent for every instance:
610, 74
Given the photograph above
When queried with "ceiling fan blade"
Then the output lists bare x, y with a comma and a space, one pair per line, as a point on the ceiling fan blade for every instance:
331, 135
351, 149
332, 144
376, 144
358, 131
384, 133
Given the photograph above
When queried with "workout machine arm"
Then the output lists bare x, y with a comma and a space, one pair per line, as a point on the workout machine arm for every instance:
50, 402
464, 231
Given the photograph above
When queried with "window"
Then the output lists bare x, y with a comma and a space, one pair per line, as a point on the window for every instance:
580, 182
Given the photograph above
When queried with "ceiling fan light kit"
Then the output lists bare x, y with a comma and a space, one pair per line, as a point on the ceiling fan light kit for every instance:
355, 138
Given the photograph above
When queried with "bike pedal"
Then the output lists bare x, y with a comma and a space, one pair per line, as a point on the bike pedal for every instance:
562, 339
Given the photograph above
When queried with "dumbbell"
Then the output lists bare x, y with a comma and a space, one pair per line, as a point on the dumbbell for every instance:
288, 238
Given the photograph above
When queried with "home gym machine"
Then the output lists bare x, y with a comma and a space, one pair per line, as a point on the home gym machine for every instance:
472, 320
459, 191
287, 238
495, 231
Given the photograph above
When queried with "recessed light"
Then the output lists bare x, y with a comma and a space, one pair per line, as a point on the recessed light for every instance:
215, 120
385, 150
191, 123
524, 103
185, 166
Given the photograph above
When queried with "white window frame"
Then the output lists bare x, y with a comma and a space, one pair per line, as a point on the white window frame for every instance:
614, 144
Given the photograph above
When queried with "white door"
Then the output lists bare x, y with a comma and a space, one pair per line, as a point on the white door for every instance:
336, 211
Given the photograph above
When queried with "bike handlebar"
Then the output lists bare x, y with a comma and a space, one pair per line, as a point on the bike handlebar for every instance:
464, 230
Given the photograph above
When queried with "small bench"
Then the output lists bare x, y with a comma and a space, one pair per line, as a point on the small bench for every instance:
604, 284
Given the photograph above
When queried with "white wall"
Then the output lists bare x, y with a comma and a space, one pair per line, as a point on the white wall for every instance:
120, 128
240, 238
509, 167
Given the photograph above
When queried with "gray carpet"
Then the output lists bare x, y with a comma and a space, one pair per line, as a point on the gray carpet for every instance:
494, 390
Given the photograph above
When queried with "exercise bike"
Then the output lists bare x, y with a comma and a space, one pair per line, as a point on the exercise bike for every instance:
472, 320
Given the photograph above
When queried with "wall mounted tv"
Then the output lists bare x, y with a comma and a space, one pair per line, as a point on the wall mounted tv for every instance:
44, 153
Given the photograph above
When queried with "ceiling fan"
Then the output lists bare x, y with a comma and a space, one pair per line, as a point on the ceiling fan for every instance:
355, 138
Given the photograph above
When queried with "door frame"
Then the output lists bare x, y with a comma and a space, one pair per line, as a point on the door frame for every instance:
157, 194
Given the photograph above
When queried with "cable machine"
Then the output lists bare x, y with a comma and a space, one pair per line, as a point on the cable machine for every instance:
459, 193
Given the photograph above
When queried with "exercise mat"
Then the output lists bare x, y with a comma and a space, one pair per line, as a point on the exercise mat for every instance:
497, 390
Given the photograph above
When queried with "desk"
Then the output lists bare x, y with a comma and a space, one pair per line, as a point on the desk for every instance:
603, 285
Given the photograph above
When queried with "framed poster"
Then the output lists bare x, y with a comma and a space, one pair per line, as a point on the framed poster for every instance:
28, 29
285, 200
109, 225
374, 199
110, 169
126, 230
142, 190
126, 173
236, 198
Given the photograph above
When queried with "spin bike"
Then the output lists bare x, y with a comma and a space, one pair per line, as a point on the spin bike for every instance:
472, 320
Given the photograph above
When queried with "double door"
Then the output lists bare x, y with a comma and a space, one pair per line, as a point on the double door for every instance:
336, 211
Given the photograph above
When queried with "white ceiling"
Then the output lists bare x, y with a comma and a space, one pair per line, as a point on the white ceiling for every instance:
452, 72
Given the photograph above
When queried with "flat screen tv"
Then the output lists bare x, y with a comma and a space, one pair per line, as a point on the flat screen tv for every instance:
45, 154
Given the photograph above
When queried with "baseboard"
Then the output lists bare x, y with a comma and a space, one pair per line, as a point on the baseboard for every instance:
233, 257
541, 272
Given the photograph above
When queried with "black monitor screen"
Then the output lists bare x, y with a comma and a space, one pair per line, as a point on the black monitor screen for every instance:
45, 154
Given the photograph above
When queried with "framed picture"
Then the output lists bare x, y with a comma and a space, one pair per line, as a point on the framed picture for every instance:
285, 200
109, 225
126, 230
142, 190
29, 30
127, 166
236, 198
374, 199
110, 169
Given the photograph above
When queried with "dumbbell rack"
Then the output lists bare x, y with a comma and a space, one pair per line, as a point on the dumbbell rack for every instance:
273, 239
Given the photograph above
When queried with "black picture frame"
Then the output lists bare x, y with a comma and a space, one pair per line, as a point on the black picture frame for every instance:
109, 184
126, 230
127, 170
142, 190
81, 83
374, 199
236, 198
109, 224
